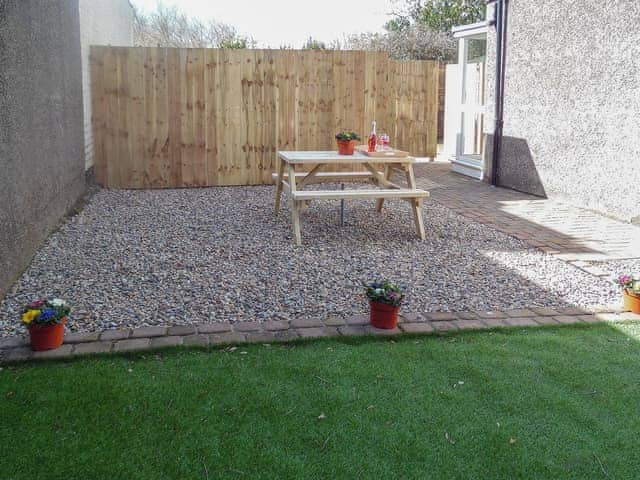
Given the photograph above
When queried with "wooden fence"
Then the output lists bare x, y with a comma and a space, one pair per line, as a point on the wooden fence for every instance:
165, 117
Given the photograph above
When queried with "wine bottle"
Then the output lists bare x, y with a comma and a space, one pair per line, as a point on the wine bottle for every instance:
373, 139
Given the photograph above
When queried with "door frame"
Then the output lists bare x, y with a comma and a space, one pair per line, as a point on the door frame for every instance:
467, 164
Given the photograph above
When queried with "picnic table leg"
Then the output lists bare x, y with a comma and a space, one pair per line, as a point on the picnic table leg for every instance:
305, 180
295, 212
279, 185
388, 173
416, 203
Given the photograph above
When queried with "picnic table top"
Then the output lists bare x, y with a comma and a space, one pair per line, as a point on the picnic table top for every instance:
302, 157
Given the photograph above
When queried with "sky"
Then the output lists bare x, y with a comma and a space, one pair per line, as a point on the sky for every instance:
275, 23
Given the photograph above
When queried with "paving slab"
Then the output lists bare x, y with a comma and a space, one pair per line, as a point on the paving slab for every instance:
76, 337
521, 322
182, 330
131, 344
62, 351
115, 334
422, 327
148, 332
223, 338
169, 341
247, 326
214, 327
317, 332
196, 340
92, 348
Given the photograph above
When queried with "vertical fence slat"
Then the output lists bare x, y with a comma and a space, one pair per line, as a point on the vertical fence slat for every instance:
112, 159
98, 116
211, 115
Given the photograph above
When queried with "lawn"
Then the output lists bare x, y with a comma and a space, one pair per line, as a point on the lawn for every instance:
537, 403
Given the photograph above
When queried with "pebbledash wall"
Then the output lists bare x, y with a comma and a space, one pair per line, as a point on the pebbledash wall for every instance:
572, 103
102, 22
41, 140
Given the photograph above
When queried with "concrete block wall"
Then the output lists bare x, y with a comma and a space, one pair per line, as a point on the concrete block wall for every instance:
102, 22
572, 103
41, 136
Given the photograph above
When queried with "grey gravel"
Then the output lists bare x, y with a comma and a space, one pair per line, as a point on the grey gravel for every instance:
174, 257
615, 268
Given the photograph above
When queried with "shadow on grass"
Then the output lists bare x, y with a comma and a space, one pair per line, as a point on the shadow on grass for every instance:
555, 402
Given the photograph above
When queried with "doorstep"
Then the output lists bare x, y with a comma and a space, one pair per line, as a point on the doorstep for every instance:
15, 349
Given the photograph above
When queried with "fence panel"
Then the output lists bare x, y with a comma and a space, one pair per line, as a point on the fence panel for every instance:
166, 117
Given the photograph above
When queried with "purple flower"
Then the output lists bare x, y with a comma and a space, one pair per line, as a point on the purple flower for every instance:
624, 280
46, 315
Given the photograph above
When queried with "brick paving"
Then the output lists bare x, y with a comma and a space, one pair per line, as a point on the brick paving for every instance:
15, 349
562, 230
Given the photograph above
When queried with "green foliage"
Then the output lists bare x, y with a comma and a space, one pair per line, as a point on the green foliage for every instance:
546, 403
235, 44
442, 15
347, 136
397, 24
384, 292
313, 44
421, 30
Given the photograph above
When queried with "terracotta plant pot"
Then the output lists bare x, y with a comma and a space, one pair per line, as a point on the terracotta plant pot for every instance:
631, 302
346, 147
47, 337
383, 315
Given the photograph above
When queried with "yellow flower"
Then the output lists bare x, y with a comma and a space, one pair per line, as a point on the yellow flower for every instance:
29, 315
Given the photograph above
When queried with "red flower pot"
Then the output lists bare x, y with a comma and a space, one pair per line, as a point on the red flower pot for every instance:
47, 337
631, 301
383, 315
346, 147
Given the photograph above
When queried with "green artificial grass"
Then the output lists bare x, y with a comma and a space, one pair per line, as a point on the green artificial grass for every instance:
537, 403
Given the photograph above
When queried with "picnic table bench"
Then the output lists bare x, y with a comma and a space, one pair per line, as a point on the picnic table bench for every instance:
293, 182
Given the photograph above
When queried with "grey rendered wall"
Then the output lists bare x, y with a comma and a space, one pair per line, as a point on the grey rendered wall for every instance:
572, 103
102, 22
41, 140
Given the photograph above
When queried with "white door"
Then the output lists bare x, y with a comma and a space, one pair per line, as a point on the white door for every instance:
471, 89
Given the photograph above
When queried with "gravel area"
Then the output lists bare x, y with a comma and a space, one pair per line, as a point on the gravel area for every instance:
134, 258
614, 268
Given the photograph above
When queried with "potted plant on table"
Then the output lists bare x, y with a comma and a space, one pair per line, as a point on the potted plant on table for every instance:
385, 299
45, 321
630, 285
347, 142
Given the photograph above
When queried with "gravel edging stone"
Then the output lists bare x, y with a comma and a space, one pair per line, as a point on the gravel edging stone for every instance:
119, 341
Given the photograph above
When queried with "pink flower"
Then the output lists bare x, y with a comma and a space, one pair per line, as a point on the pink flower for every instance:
36, 304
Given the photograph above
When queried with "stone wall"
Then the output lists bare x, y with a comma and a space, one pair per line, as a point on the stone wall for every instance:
572, 103
41, 139
102, 22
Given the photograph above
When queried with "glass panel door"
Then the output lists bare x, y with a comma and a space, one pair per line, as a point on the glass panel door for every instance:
472, 68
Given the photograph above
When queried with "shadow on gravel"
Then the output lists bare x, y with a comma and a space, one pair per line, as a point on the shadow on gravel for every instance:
163, 257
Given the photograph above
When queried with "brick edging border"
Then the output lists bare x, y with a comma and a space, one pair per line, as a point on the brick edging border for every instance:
13, 349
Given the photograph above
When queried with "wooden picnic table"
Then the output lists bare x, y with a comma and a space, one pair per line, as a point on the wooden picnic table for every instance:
293, 182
